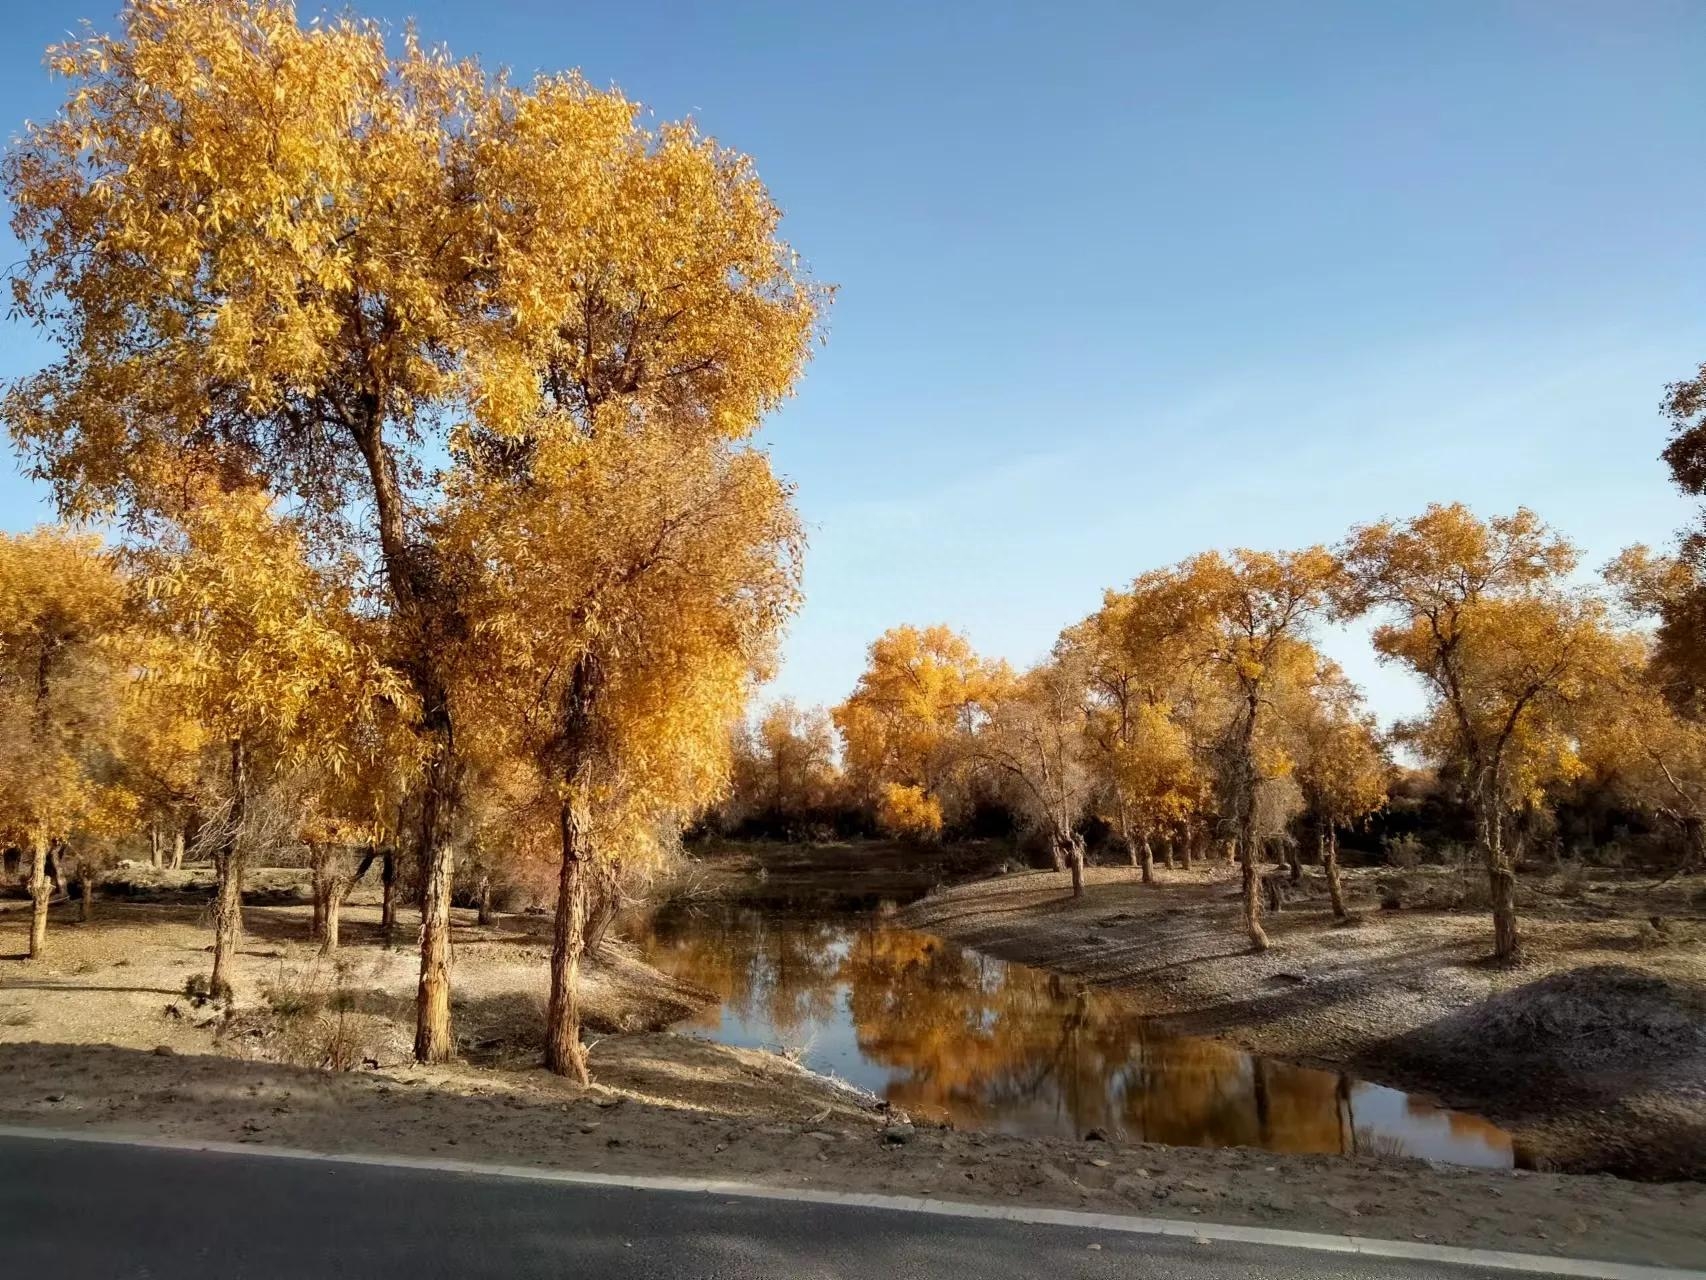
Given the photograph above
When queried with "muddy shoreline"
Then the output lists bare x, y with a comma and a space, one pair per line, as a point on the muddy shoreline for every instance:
1402, 997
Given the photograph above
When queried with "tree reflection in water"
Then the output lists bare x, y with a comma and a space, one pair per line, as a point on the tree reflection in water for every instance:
953, 1035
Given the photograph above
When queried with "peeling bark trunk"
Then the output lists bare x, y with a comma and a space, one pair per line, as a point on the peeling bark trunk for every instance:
228, 894
433, 1039
1501, 876
563, 1052
332, 916
1330, 862
41, 893
602, 912
1252, 898
421, 607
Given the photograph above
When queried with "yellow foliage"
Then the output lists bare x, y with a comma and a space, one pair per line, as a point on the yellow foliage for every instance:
909, 811
265, 648
909, 717
61, 682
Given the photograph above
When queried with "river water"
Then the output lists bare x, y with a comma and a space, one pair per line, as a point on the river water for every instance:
949, 1034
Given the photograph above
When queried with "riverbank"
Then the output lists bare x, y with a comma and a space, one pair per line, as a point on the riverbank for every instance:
99, 1037
1591, 1051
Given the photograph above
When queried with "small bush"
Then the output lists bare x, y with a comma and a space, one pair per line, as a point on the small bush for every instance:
1404, 852
318, 1024
296, 998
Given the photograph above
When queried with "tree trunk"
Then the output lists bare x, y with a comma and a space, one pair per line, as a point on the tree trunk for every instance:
1294, 856
1187, 850
228, 894
227, 921
433, 1038
1330, 862
332, 914
156, 846
1501, 877
1147, 860
563, 1052
1252, 897
317, 861
1075, 856
41, 893
388, 896
86, 883
178, 848
1694, 846
602, 909
485, 916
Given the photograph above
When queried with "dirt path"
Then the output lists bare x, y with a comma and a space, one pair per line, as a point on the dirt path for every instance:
1592, 1052
99, 1037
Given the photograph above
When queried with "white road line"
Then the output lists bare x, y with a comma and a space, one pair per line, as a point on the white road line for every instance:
1413, 1251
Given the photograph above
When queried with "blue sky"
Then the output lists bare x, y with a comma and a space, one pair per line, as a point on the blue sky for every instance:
1124, 281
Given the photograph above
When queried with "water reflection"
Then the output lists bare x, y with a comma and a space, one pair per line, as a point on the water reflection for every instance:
950, 1034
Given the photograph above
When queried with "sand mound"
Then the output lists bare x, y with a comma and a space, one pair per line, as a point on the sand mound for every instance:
1598, 1018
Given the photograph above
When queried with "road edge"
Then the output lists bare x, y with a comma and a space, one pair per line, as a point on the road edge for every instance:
1128, 1224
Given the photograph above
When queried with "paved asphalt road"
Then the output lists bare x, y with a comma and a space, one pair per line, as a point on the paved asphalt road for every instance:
70, 1210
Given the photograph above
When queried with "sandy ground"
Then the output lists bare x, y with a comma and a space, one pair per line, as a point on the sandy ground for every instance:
99, 1036
1592, 1051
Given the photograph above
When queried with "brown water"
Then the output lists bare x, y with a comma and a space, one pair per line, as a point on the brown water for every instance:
949, 1034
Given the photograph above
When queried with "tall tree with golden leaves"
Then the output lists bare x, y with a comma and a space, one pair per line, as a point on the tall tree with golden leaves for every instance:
1254, 611
1143, 682
905, 727
265, 648
1034, 737
1510, 658
1339, 761
62, 608
290, 256
640, 581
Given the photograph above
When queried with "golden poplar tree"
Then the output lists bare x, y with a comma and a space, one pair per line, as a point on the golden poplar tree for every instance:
640, 581
62, 676
293, 257
1033, 735
263, 645
905, 727
1511, 660
1253, 611
1338, 759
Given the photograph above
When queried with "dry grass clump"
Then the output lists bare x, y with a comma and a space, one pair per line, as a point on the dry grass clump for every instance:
312, 1019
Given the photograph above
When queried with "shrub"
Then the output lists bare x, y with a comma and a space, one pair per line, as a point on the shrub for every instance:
1403, 852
